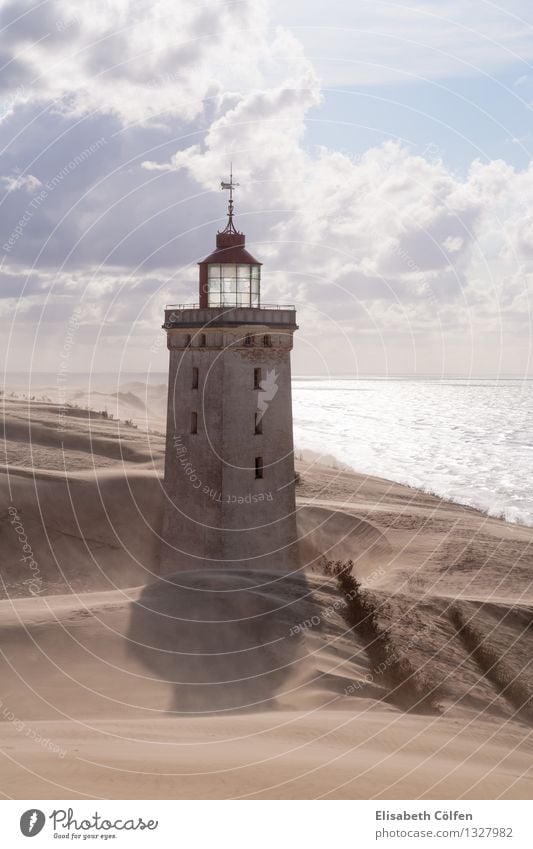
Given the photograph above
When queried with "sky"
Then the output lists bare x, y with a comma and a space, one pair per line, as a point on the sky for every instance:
383, 152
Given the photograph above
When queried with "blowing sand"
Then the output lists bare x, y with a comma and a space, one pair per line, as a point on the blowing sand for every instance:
117, 683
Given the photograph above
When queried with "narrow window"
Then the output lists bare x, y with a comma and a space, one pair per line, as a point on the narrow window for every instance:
202, 341
257, 378
195, 378
258, 423
194, 422
187, 340
248, 341
267, 341
258, 467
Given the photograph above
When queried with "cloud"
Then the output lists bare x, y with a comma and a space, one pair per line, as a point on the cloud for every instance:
112, 161
416, 244
135, 60
14, 183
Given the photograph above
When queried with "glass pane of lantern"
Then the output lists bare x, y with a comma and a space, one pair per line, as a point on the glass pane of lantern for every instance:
243, 271
213, 271
243, 299
228, 277
255, 271
255, 287
255, 299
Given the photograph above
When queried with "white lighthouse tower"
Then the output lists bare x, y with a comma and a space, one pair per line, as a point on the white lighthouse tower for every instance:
229, 466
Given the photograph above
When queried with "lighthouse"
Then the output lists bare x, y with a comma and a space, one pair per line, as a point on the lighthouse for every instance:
229, 465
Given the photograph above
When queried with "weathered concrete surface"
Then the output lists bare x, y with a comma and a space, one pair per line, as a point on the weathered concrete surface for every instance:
217, 512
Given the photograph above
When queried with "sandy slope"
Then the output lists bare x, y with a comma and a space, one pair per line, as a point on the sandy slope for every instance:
117, 683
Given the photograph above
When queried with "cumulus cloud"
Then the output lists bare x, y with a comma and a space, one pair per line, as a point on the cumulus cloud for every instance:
112, 158
140, 61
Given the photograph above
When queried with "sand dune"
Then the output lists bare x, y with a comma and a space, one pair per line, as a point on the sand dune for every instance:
88, 531
66, 430
243, 683
328, 532
140, 402
120, 717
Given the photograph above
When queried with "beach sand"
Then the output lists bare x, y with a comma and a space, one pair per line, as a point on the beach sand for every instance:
240, 683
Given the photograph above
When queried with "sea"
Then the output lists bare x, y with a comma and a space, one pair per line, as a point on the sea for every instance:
469, 440
466, 440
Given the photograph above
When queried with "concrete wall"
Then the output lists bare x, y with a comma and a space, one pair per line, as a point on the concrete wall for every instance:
217, 511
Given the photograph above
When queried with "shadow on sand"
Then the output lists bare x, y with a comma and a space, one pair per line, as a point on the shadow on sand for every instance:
224, 639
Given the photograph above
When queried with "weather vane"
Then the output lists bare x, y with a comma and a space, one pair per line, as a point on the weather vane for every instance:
229, 186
